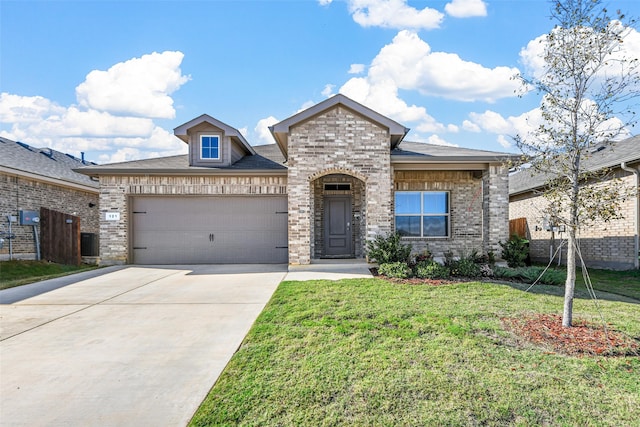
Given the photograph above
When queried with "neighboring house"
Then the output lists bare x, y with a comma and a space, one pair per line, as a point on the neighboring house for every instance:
612, 244
31, 178
337, 177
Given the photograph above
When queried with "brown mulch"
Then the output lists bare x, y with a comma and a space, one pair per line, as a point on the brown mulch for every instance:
581, 339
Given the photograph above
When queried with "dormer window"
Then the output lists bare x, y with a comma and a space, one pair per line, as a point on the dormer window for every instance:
209, 147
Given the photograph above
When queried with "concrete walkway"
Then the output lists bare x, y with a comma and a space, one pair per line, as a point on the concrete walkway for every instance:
132, 345
140, 346
330, 269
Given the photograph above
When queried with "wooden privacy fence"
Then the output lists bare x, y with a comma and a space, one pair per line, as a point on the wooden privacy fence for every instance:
60, 237
518, 227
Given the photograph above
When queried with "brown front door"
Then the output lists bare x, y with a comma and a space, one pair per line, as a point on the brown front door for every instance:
337, 226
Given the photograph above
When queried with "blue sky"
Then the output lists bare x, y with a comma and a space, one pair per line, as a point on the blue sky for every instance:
113, 78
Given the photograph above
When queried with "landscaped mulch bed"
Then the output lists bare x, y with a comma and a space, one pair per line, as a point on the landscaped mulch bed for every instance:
581, 339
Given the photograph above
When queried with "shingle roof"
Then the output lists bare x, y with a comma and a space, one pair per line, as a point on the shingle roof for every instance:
44, 162
605, 156
267, 158
423, 152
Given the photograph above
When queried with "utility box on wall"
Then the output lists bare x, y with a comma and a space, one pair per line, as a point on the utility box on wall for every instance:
89, 244
29, 217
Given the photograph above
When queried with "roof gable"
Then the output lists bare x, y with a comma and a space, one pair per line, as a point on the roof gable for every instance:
280, 131
182, 131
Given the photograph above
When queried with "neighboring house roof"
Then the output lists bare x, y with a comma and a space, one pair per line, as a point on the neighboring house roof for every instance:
267, 160
44, 164
420, 152
181, 131
604, 156
280, 131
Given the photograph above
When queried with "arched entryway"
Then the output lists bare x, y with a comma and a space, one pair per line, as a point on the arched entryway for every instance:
339, 212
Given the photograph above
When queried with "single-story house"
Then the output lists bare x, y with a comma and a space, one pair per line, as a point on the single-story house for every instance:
338, 175
612, 244
31, 178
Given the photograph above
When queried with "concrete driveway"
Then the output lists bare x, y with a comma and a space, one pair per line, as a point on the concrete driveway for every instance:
140, 346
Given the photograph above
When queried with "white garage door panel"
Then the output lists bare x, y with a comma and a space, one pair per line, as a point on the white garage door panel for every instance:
209, 230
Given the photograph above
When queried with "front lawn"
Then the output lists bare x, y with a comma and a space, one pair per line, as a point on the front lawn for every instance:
618, 282
21, 272
369, 352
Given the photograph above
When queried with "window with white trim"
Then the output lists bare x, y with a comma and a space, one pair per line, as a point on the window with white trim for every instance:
209, 147
422, 213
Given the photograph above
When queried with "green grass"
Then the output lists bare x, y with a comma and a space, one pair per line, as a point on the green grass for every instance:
367, 352
19, 272
618, 282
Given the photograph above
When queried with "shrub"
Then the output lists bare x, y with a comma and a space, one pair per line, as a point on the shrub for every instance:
388, 249
530, 274
431, 270
515, 251
465, 267
423, 256
398, 270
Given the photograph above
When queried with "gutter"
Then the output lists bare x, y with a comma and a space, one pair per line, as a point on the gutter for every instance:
181, 172
50, 180
636, 172
413, 158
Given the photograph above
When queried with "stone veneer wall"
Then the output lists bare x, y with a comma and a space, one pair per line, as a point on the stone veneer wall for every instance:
465, 198
603, 245
358, 208
18, 193
116, 191
337, 141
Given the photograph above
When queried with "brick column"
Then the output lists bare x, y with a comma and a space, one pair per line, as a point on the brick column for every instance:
496, 208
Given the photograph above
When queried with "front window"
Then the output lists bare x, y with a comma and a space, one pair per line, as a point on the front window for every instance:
422, 213
210, 147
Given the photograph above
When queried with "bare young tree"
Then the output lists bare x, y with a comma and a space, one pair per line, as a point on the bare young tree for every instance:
589, 88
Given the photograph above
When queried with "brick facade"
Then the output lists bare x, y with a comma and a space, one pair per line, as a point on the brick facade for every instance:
20, 193
115, 193
337, 141
603, 245
466, 212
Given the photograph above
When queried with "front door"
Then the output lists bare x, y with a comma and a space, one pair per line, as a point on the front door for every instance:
337, 225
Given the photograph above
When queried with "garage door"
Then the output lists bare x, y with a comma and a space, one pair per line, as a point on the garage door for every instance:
209, 230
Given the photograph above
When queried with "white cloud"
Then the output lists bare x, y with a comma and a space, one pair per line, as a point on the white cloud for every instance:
532, 56
328, 90
466, 8
26, 109
101, 121
410, 62
504, 141
469, 126
524, 125
138, 87
262, 130
436, 140
393, 14
122, 155
93, 123
324, 2
383, 97
356, 69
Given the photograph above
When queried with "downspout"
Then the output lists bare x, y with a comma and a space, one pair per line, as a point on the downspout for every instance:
636, 172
